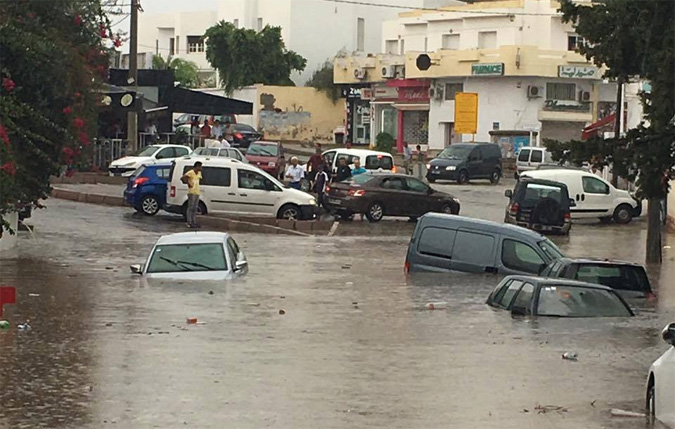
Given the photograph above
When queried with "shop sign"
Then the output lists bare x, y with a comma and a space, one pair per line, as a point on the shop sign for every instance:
578, 72
466, 113
566, 106
413, 94
351, 93
494, 69
366, 94
385, 92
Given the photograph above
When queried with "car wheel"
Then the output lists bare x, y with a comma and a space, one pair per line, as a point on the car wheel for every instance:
463, 177
448, 208
149, 205
623, 214
606, 219
289, 212
495, 176
651, 400
375, 212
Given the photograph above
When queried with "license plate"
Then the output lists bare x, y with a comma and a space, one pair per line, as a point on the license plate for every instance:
334, 201
435, 172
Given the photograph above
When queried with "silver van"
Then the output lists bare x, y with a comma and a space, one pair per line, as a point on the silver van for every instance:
443, 243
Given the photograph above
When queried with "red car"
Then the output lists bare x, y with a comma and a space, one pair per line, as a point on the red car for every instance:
268, 156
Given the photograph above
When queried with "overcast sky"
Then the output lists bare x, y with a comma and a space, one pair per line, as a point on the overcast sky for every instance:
162, 6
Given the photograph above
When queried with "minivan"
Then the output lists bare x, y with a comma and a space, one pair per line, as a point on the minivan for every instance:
231, 187
467, 161
370, 159
443, 243
530, 158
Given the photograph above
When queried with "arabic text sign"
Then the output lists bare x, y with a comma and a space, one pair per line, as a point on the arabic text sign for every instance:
466, 112
494, 69
578, 72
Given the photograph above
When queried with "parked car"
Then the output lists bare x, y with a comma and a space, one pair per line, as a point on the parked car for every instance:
187, 118
443, 243
661, 382
540, 205
152, 154
377, 195
244, 135
467, 161
232, 187
593, 196
538, 297
370, 159
202, 255
227, 152
628, 279
530, 158
268, 156
146, 188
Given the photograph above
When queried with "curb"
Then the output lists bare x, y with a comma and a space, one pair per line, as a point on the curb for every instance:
81, 197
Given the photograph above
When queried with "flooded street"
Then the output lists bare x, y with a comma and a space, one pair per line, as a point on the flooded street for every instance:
355, 348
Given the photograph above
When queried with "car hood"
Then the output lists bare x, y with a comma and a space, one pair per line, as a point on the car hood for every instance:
260, 158
191, 275
299, 194
444, 162
136, 160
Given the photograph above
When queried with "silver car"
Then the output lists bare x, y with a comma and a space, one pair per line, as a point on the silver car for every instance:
194, 256
225, 152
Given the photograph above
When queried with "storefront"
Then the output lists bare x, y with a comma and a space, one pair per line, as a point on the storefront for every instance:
412, 106
358, 114
385, 115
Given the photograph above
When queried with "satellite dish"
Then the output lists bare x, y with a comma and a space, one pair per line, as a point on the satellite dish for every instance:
106, 100
126, 100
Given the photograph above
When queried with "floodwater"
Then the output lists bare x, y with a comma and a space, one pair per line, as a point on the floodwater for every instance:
355, 348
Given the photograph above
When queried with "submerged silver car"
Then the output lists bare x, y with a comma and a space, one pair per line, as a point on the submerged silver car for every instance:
201, 255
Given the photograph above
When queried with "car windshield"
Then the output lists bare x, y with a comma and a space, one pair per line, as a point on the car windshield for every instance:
535, 192
263, 149
148, 151
171, 258
616, 276
456, 152
550, 249
578, 301
375, 162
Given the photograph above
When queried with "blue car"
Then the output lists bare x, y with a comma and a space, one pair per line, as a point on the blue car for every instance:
146, 188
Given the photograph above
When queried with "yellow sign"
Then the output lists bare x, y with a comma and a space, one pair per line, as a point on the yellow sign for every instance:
466, 113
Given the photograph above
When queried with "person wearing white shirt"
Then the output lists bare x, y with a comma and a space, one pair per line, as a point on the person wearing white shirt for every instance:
217, 130
211, 143
295, 174
223, 143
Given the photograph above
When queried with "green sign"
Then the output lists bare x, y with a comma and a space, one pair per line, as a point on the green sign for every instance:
493, 69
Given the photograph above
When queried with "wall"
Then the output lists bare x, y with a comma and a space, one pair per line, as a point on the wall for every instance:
671, 207
9, 241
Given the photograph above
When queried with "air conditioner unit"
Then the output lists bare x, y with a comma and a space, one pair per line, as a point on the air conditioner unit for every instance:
436, 92
360, 73
535, 91
388, 71
584, 96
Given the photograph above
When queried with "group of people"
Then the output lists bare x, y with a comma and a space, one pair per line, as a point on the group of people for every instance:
215, 131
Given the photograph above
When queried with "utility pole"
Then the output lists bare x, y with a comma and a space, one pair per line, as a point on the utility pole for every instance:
132, 115
618, 121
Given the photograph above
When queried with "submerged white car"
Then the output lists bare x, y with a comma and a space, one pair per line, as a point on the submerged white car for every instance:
201, 255
661, 382
150, 155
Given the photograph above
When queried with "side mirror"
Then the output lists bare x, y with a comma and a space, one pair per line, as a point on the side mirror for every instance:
668, 334
517, 311
508, 193
572, 202
136, 269
240, 265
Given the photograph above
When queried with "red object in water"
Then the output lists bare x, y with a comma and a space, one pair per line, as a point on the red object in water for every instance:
7, 296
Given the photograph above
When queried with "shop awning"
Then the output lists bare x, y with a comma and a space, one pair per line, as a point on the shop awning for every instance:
592, 129
411, 106
182, 100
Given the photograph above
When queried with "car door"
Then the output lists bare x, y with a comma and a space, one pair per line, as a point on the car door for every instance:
216, 189
523, 159
595, 198
418, 200
475, 164
391, 193
536, 158
256, 194
329, 156
518, 257
181, 151
473, 252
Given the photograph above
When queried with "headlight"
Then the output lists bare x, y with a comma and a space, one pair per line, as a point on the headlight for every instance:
130, 164
451, 168
271, 164
312, 202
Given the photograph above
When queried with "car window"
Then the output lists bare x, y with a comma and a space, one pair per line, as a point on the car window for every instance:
535, 192
233, 250
499, 291
475, 155
550, 249
374, 162
485, 151
251, 180
167, 152
524, 298
621, 277
536, 156
416, 185
394, 183
164, 173
520, 256
148, 151
576, 301
505, 299
593, 185
329, 157
181, 151
524, 155
213, 176
437, 242
187, 257
474, 247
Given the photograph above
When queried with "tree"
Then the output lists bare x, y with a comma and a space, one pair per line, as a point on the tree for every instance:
244, 57
322, 80
185, 72
53, 60
636, 39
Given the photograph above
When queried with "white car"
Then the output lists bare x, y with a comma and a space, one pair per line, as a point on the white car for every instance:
150, 155
529, 158
231, 187
226, 152
370, 159
194, 256
593, 196
661, 382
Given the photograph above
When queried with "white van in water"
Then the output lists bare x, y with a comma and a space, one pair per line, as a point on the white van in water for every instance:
233, 187
529, 158
593, 196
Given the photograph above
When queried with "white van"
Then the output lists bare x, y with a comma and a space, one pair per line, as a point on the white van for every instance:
529, 158
235, 188
593, 196
370, 159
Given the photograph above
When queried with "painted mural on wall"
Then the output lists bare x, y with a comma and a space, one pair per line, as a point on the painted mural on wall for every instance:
292, 123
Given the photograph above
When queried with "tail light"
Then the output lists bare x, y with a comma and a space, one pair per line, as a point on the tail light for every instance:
239, 135
357, 193
173, 191
651, 296
140, 181
406, 266
327, 188
513, 210
393, 169
568, 216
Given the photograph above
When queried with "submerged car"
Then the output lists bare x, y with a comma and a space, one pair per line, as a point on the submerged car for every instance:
540, 297
152, 154
540, 205
661, 382
201, 255
378, 195
146, 188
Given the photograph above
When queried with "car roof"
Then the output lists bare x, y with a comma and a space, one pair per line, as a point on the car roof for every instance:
548, 172
596, 261
170, 145
527, 179
472, 144
193, 237
546, 281
488, 226
358, 151
208, 159
266, 143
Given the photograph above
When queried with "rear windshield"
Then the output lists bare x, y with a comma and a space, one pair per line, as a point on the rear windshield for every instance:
576, 301
533, 193
616, 276
263, 150
359, 179
374, 162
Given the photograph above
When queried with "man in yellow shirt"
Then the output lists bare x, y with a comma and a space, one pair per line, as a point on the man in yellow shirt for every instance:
192, 179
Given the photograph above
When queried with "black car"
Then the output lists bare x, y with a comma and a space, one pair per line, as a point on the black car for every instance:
467, 161
540, 205
540, 297
628, 279
378, 195
244, 135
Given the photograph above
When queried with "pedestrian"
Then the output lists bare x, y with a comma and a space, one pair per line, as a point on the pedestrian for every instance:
194, 129
217, 130
206, 129
343, 171
295, 174
313, 164
407, 159
420, 163
320, 183
223, 143
228, 132
357, 168
192, 179
151, 129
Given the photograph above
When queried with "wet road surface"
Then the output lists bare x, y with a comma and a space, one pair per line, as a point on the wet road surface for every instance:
356, 347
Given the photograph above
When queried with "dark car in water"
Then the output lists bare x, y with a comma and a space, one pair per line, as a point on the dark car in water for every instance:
385, 194
467, 161
540, 205
244, 135
539, 297
628, 279
146, 188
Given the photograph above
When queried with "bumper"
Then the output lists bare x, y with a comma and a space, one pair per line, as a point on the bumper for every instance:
442, 174
130, 198
121, 171
308, 212
346, 204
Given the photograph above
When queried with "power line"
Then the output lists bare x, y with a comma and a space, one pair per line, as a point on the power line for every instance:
435, 9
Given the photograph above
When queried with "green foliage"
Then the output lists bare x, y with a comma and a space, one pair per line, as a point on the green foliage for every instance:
185, 72
384, 142
53, 59
244, 57
322, 80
